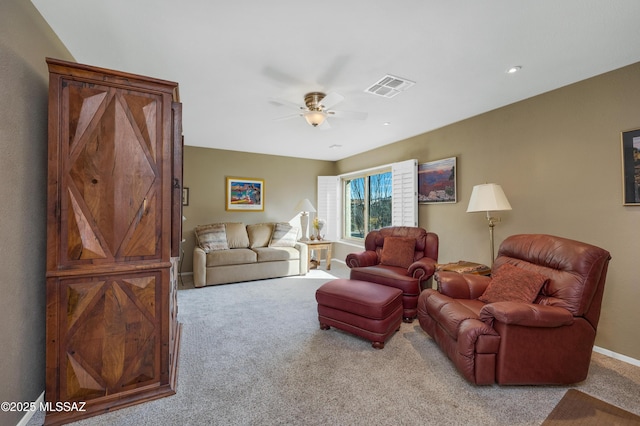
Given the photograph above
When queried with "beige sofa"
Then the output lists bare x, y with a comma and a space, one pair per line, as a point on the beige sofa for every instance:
233, 252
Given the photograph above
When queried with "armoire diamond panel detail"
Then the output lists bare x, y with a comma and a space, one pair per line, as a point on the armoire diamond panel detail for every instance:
123, 313
84, 102
114, 146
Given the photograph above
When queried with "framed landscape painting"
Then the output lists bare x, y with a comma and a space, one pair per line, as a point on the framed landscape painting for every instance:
245, 194
631, 167
437, 182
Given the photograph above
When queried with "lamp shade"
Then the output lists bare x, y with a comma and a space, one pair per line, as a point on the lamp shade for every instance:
488, 197
305, 206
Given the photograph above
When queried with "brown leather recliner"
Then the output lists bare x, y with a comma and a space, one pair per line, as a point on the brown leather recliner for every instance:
398, 256
546, 341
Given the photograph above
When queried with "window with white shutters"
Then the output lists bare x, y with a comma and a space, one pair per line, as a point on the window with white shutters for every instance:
405, 193
329, 205
354, 203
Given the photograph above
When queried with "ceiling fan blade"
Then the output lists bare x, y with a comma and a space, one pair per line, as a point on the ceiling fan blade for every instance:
331, 99
352, 115
325, 125
287, 117
333, 71
288, 104
281, 77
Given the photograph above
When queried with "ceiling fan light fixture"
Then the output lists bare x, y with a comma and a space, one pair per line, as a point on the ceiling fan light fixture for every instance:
317, 109
315, 118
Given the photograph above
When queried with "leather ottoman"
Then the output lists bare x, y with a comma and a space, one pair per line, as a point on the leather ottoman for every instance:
369, 310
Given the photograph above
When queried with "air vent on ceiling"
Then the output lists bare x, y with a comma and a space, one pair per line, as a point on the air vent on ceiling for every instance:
389, 86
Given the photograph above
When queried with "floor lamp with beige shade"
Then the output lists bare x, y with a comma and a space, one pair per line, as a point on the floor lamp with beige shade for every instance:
488, 197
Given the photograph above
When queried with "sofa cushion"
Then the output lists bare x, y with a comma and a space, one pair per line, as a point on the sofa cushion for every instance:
273, 254
237, 235
398, 251
259, 234
512, 284
231, 257
284, 235
212, 237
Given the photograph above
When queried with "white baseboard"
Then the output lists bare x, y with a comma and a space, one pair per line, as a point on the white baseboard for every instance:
27, 416
617, 356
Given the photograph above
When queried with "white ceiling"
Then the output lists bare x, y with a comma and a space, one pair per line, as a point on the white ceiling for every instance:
232, 57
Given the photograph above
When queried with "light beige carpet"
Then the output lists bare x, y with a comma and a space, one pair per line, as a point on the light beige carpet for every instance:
580, 409
253, 354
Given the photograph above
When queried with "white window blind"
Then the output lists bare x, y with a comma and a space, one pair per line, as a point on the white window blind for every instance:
404, 194
328, 205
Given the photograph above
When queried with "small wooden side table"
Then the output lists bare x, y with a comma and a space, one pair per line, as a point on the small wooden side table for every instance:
319, 245
465, 267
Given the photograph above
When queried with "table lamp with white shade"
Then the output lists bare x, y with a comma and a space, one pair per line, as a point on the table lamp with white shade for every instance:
488, 197
304, 207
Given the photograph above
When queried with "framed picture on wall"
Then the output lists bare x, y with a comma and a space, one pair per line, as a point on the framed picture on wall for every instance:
437, 182
245, 194
631, 167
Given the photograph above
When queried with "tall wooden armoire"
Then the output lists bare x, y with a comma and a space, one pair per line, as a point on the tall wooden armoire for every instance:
113, 235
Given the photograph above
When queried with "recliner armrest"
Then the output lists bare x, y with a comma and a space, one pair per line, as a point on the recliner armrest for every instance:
525, 314
461, 286
422, 269
363, 258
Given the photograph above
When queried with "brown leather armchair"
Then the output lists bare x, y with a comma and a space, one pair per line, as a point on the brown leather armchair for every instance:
505, 340
398, 256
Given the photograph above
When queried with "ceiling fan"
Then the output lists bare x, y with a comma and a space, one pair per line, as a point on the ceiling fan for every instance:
317, 109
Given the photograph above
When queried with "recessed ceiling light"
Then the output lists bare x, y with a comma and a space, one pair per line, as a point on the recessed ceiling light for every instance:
335, 145
514, 69
386, 123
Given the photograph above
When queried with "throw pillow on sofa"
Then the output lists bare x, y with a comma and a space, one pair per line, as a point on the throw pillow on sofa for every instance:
512, 284
284, 235
212, 237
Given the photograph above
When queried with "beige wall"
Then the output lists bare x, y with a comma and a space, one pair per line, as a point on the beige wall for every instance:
287, 181
558, 158
25, 40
